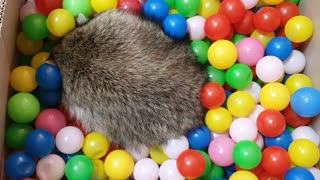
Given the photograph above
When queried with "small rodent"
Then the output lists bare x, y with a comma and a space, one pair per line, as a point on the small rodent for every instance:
123, 77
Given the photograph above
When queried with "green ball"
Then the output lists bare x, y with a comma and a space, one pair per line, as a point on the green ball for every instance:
208, 163
200, 51
23, 107
16, 134
290, 128
247, 154
237, 38
171, 3
294, 1
216, 75
239, 76
34, 27
188, 8
79, 167
76, 7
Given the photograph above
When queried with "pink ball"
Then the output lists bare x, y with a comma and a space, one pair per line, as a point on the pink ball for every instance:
220, 151
51, 120
69, 140
27, 9
269, 69
50, 167
243, 129
196, 27
250, 51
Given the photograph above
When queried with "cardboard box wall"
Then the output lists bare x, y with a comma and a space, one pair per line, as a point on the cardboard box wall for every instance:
9, 23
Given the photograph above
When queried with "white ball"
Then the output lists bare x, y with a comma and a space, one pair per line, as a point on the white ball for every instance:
315, 172
146, 168
196, 27
295, 63
174, 147
140, 153
254, 89
256, 112
169, 171
259, 141
270, 69
243, 129
69, 140
248, 4
216, 135
50, 167
306, 132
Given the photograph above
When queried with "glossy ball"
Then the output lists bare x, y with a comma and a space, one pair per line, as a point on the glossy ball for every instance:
242, 174
23, 79
298, 81
281, 47
200, 50
19, 165
175, 26
212, 95
217, 27
216, 75
247, 154
196, 27
95, 145
240, 104
218, 120
60, 22
299, 29
98, 169
103, 5
305, 102
46, 6
275, 96
209, 7
69, 140
254, 90
79, 167
299, 173
293, 119
49, 77
263, 37
275, 161
271, 123
243, 129
233, 9
199, 138
146, 169
287, 10
158, 155
133, 6
51, 120
39, 143
245, 25
76, 7
168, 171
39, 59
156, 10
248, 4
222, 54
119, 164
174, 147
306, 132
188, 8
250, 51
28, 8
34, 27
191, 164
304, 153
27, 46
283, 140
50, 167
239, 76
269, 69
267, 19
16, 134
50, 99
295, 63
220, 151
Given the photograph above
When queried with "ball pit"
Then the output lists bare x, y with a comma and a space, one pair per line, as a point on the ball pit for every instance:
249, 105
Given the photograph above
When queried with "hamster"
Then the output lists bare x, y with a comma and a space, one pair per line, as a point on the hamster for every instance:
123, 77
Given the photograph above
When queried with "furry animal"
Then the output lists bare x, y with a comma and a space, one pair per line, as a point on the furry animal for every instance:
123, 77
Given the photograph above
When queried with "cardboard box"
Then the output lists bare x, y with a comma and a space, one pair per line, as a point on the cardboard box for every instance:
9, 24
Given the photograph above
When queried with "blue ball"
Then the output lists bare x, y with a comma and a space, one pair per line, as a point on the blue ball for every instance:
228, 93
284, 140
175, 26
299, 173
39, 143
49, 98
285, 78
229, 170
199, 138
49, 77
19, 165
280, 47
67, 157
305, 102
156, 10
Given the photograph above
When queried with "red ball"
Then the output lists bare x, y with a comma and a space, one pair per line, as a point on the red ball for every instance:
257, 170
46, 6
265, 176
293, 119
217, 27
51, 120
191, 164
233, 9
245, 26
212, 95
287, 10
271, 123
275, 161
267, 19
133, 6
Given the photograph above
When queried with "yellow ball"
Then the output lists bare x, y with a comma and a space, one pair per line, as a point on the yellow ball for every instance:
241, 104
299, 29
119, 164
222, 54
23, 79
304, 153
261, 3
95, 145
273, 2
98, 171
60, 22
209, 7
243, 175
103, 5
26, 46
297, 81
158, 155
263, 37
39, 59
173, 11
218, 120
275, 96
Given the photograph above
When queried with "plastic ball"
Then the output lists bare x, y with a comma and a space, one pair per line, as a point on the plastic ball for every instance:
293, 119
287, 10
305, 102
220, 151
263, 37
26, 46
254, 90
306, 132
245, 25
218, 120
298, 81
233, 9
216, 75
79, 167
133, 6
208, 164
60, 22
49, 77
156, 10
49, 98
39, 59
50, 167
168, 171
240, 104
237, 38
200, 51
239, 76
209, 7
267, 19
295, 63
146, 169
119, 164
51, 120
28, 8
175, 26
174, 147
19, 165
271, 123
269, 69
222, 54
67, 157
259, 141
242, 174
95, 145
23, 107
103, 5
275, 96
275, 161
255, 113
76, 7
16, 134
212, 95
46, 6
39, 143
34, 27
299, 173
23, 79
243, 129
188, 8
315, 172
191, 164
217, 27
196, 27
250, 51
69, 140
247, 154
199, 138
98, 169
304, 153
299, 29
283, 140
280, 47
158, 155
248, 4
